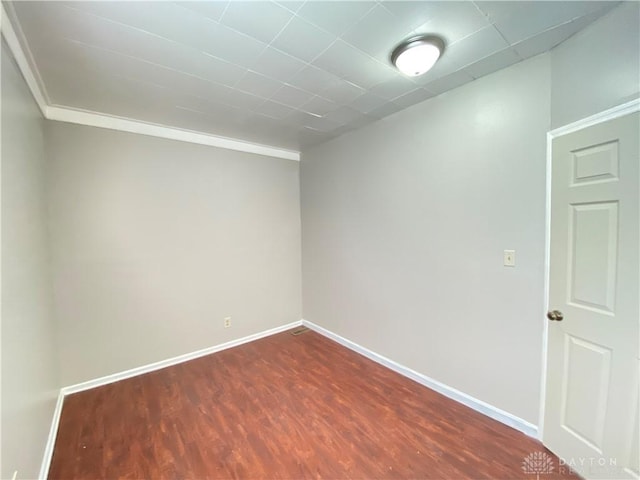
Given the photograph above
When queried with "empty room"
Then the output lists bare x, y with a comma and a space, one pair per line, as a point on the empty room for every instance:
320, 239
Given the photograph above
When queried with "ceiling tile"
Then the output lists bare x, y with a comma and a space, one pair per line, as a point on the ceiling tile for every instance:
276, 64
321, 123
220, 113
211, 10
70, 54
493, 63
412, 14
258, 84
534, 17
377, 33
237, 98
313, 122
237, 48
261, 20
481, 44
449, 82
416, 96
454, 21
344, 115
172, 22
367, 102
45, 20
221, 67
291, 96
312, 79
370, 73
299, 118
385, 110
115, 94
394, 87
274, 109
336, 19
341, 58
292, 5
495, 9
303, 40
318, 106
167, 19
342, 92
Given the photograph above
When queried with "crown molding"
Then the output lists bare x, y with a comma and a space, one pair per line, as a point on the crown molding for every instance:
100, 120
10, 36
93, 119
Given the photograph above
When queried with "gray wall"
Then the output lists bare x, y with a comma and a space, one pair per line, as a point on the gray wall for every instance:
29, 373
598, 68
155, 241
404, 227
405, 221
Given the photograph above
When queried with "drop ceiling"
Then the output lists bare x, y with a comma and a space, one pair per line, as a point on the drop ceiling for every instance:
287, 74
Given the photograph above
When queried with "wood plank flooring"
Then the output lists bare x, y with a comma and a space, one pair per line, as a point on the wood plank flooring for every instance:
283, 407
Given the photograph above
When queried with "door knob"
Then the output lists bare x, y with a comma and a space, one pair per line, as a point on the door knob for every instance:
555, 315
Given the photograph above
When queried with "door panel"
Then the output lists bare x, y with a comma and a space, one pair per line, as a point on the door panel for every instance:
591, 404
593, 242
585, 390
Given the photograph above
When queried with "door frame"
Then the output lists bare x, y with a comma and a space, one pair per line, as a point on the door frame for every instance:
601, 117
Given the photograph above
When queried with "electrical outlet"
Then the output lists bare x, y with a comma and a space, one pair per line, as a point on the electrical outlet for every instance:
509, 258
227, 322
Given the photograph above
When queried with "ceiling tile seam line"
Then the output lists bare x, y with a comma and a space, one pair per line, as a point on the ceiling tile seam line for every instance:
190, 47
159, 65
165, 87
475, 4
267, 45
549, 29
224, 12
9, 34
133, 27
181, 72
337, 37
147, 32
57, 113
170, 40
296, 14
284, 5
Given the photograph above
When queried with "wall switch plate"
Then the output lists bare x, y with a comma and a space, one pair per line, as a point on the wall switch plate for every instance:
509, 258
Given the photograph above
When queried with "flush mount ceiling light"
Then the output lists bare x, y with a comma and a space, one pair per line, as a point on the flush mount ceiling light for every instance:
417, 55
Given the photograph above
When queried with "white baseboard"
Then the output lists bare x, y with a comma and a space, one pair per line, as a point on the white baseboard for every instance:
461, 397
51, 440
116, 377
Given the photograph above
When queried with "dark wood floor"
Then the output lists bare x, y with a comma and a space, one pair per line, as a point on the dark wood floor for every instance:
282, 407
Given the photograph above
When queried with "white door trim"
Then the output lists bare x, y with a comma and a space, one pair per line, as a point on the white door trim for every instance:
604, 116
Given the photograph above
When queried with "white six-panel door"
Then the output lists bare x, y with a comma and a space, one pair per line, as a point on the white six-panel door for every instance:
593, 364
